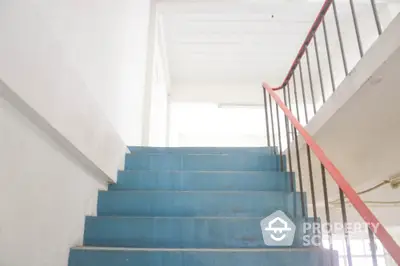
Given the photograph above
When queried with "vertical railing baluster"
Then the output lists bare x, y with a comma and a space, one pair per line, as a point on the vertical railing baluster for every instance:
285, 92
279, 137
296, 140
372, 245
292, 176
319, 69
355, 21
327, 212
328, 54
295, 96
291, 110
275, 144
345, 230
376, 16
310, 170
266, 116
291, 127
346, 71
303, 92
272, 124
311, 81
309, 159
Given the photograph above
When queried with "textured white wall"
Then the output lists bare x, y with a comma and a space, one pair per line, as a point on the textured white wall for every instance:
44, 196
159, 106
81, 52
106, 42
71, 100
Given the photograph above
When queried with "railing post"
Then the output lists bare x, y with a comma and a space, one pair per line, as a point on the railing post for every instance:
327, 212
372, 247
290, 108
319, 69
266, 116
279, 137
346, 71
303, 92
288, 137
376, 16
296, 140
311, 81
272, 123
310, 171
345, 231
328, 54
354, 15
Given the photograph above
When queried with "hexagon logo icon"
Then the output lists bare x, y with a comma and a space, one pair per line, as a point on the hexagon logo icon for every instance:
278, 230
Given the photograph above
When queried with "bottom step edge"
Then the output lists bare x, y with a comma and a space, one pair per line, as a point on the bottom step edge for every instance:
284, 249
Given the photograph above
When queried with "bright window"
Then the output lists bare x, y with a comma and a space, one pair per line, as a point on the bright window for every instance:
360, 251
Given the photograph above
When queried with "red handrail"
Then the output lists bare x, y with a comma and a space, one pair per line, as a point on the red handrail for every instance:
386, 239
310, 34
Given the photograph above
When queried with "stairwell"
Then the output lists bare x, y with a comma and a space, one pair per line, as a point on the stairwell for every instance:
197, 207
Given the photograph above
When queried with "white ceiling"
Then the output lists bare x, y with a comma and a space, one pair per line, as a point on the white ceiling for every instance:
220, 51
219, 44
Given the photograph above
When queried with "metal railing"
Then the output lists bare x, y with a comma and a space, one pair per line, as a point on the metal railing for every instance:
293, 130
315, 73
311, 37
290, 133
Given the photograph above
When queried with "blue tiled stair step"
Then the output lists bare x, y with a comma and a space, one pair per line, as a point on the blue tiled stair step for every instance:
202, 150
197, 203
178, 232
200, 257
203, 162
203, 180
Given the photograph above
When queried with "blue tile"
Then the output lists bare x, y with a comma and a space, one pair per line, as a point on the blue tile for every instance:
282, 257
202, 150
199, 180
208, 198
169, 232
193, 203
202, 162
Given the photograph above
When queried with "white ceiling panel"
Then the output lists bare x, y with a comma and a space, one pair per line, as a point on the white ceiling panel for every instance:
221, 43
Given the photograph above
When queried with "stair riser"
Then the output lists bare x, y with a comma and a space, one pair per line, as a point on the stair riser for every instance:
239, 162
203, 150
193, 258
178, 233
197, 181
197, 204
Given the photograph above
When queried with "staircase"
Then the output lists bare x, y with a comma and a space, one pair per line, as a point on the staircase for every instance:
195, 207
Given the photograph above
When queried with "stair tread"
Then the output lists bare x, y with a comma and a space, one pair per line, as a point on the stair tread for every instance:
195, 206
285, 249
196, 191
177, 217
209, 171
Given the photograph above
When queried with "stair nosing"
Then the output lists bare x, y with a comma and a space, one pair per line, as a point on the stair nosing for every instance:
177, 217
200, 191
285, 249
210, 171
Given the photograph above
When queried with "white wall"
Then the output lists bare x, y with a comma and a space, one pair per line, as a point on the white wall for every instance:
205, 124
159, 106
72, 98
81, 65
44, 196
106, 42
